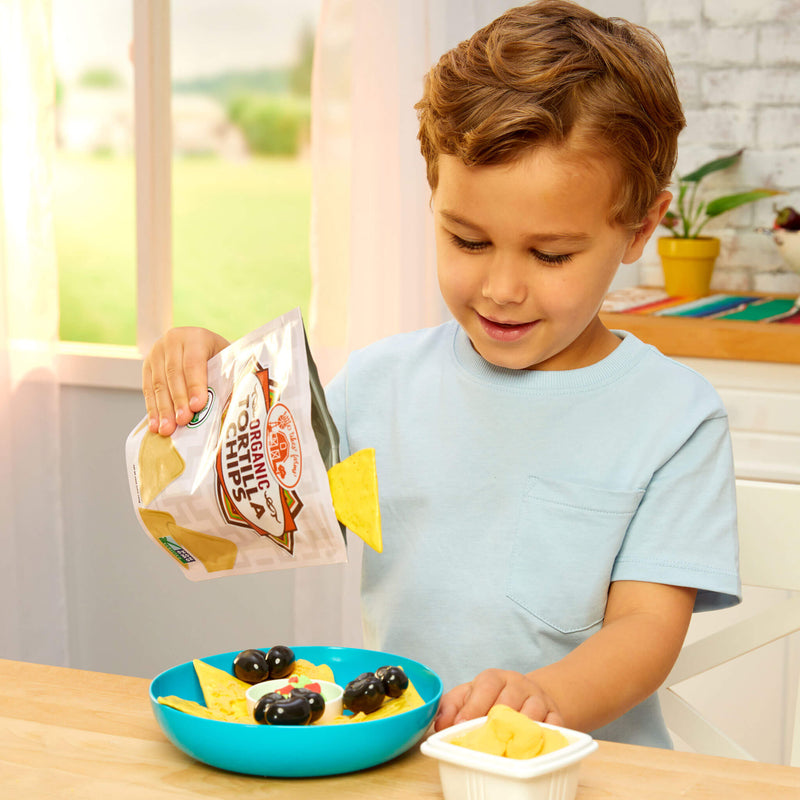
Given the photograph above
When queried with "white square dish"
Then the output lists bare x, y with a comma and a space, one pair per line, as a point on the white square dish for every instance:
470, 775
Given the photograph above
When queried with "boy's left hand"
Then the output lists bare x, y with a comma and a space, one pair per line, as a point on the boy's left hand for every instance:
493, 686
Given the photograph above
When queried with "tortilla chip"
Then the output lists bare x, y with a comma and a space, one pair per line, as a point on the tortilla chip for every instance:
397, 705
553, 740
223, 693
159, 464
321, 672
407, 701
354, 491
188, 707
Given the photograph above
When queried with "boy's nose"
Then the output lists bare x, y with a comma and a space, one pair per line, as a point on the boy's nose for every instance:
504, 282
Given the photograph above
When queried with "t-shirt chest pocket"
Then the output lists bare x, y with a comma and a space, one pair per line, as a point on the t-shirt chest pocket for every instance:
563, 550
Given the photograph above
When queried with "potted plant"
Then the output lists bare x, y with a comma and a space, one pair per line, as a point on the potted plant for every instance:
687, 257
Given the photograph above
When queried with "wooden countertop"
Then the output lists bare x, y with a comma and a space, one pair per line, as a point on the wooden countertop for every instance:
68, 733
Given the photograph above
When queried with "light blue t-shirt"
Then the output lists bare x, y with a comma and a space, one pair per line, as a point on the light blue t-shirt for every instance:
511, 499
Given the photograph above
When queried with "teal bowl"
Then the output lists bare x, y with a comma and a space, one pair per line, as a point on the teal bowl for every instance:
294, 752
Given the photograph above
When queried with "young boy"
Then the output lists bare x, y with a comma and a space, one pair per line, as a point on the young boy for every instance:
557, 498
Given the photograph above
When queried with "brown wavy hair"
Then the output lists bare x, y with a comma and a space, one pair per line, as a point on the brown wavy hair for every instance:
554, 73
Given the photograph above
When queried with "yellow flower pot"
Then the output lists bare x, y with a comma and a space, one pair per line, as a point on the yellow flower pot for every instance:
688, 264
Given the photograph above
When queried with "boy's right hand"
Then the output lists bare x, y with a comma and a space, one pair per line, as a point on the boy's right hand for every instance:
174, 376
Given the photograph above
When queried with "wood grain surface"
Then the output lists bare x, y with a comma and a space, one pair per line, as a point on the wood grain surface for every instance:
68, 733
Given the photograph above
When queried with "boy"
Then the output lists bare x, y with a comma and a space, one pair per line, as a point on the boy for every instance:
557, 498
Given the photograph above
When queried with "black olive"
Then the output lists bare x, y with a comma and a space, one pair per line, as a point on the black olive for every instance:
394, 680
289, 711
280, 660
365, 693
263, 703
315, 700
251, 666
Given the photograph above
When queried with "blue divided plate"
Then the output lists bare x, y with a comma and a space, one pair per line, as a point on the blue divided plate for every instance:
289, 752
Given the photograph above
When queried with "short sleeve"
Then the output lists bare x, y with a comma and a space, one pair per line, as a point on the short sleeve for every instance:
684, 532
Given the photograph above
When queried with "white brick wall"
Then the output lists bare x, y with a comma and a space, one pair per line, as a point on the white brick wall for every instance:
737, 64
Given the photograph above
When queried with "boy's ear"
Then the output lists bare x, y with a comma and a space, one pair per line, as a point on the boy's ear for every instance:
654, 215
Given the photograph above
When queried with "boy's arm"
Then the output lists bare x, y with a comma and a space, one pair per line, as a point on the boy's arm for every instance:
174, 376
607, 675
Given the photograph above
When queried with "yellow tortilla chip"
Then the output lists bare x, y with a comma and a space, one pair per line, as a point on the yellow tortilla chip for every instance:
410, 699
321, 672
188, 707
354, 491
159, 464
510, 733
223, 693
397, 705
553, 740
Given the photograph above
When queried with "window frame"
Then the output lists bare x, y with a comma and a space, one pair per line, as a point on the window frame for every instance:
117, 366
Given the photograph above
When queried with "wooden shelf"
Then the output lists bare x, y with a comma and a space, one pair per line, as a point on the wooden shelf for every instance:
709, 338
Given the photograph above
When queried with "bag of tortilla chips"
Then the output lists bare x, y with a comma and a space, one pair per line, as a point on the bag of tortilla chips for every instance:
244, 486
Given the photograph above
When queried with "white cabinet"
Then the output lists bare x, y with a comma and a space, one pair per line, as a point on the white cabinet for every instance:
754, 699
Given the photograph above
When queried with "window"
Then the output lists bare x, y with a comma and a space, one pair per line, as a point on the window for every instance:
94, 178
189, 186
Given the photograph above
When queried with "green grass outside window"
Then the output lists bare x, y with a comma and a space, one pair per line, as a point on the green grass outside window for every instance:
240, 244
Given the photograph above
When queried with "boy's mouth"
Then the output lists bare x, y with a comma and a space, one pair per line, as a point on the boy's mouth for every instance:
505, 331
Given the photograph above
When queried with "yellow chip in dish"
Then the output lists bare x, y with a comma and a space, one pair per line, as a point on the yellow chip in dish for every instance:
410, 698
188, 707
159, 464
510, 733
223, 693
354, 491
321, 672
397, 705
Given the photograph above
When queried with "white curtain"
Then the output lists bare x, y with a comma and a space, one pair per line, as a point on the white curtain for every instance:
33, 620
373, 260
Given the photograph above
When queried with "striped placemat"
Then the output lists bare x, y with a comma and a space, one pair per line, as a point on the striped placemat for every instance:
745, 307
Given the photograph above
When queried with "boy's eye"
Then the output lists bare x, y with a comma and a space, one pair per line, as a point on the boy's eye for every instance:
551, 258
468, 244
473, 246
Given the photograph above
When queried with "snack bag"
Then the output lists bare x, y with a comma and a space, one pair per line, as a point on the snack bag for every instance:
244, 486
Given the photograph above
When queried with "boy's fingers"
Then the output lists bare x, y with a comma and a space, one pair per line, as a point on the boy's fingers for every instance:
164, 408
149, 397
176, 387
158, 399
450, 705
195, 370
484, 693
538, 709
554, 718
175, 377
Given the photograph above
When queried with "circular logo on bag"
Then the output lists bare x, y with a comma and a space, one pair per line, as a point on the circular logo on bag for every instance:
283, 446
201, 415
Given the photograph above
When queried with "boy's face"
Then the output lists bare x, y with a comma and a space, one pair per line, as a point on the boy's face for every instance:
526, 254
